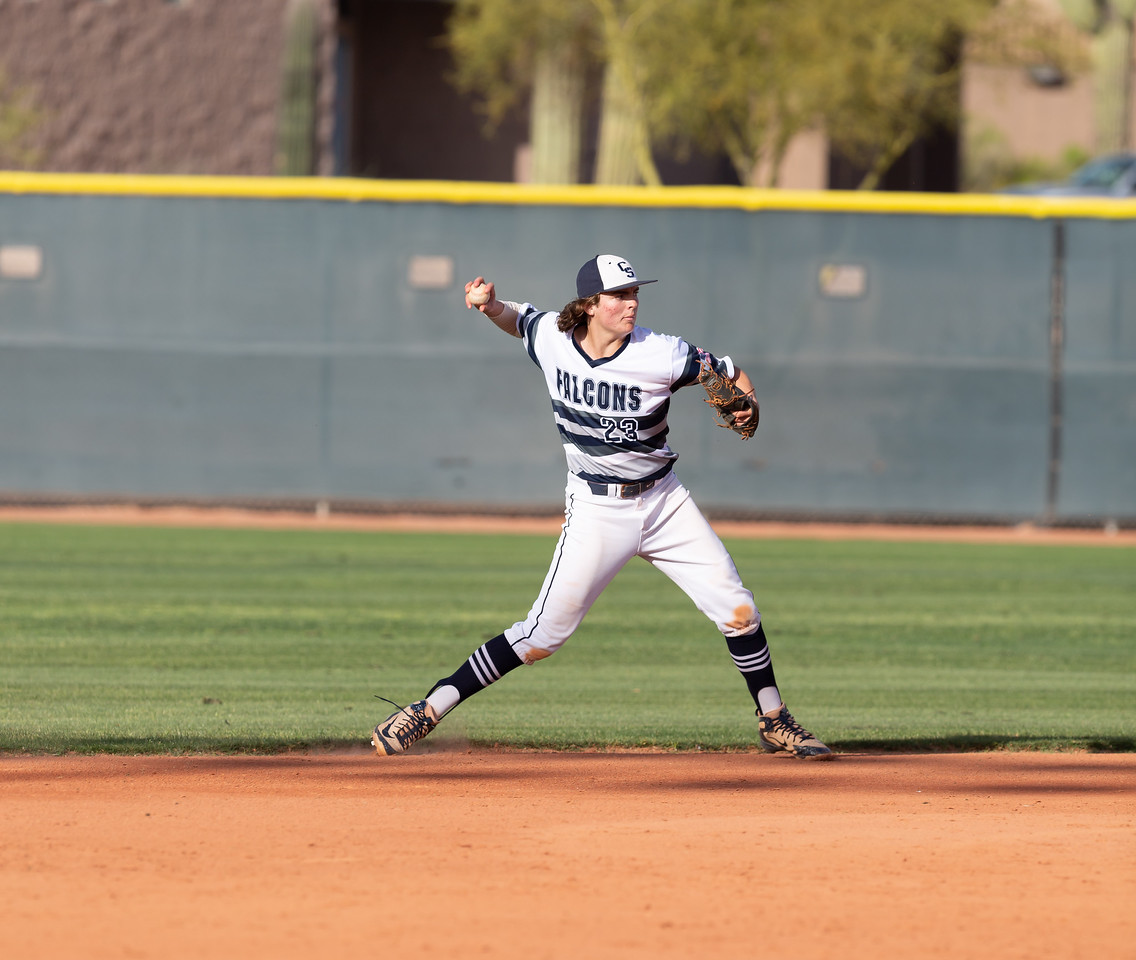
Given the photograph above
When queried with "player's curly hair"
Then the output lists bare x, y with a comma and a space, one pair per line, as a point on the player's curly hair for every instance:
575, 313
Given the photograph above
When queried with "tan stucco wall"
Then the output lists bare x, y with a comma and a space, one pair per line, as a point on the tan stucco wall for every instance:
145, 86
1034, 121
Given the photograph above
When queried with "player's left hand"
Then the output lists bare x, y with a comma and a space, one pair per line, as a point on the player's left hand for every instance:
734, 406
741, 417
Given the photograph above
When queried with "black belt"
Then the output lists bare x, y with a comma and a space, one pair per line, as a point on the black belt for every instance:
625, 491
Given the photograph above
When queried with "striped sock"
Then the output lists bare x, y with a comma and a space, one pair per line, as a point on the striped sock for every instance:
755, 663
487, 664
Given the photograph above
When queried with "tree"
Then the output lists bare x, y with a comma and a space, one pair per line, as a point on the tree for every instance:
737, 76
743, 77
893, 76
747, 76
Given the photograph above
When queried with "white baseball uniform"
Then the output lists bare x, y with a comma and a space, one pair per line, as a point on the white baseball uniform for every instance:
622, 500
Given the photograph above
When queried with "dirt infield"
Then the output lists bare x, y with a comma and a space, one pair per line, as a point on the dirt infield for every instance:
582, 855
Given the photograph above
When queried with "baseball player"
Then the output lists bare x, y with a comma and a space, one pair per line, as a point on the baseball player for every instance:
610, 382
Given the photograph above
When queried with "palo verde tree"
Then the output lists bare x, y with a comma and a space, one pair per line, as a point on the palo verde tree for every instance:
893, 74
736, 76
742, 77
747, 76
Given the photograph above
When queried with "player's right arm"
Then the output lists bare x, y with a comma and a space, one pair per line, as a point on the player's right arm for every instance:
503, 313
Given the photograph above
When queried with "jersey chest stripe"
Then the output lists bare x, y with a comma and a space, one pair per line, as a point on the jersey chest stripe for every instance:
596, 421
601, 447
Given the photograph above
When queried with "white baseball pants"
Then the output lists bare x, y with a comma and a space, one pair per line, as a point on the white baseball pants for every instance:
602, 533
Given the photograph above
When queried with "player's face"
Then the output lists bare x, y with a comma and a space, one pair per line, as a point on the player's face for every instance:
615, 312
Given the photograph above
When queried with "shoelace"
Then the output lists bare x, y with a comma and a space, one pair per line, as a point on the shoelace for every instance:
792, 727
409, 727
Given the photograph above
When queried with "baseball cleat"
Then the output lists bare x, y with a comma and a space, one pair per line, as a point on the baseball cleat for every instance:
404, 727
779, 731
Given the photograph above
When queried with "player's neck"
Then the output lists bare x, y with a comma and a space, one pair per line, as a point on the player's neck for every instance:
598, 343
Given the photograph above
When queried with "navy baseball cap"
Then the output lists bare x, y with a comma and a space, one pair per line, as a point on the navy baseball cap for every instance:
606, 273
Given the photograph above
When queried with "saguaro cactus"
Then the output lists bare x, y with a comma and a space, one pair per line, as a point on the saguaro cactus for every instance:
19, 119
295, 150
557, 117
623, 154
1109, 23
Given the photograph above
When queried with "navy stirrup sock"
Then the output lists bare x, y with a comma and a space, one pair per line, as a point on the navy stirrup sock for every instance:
752, 658
487, 664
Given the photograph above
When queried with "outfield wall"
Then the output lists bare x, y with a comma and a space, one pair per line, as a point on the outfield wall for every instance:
301, 340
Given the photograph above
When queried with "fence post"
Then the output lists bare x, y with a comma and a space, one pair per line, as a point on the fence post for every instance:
1056, 354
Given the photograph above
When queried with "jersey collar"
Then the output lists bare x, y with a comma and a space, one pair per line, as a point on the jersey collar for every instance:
602, 360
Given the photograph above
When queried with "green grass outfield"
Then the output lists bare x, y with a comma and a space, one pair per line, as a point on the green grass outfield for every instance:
131, 639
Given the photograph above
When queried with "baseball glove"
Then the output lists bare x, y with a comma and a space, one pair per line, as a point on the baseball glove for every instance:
727, 399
